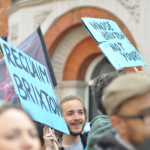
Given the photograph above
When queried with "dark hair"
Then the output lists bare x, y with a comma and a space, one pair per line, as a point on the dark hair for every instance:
100, 83
40, 127
4, 106
71, 97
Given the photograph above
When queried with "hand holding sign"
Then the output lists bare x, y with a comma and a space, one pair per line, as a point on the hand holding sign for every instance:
50, 139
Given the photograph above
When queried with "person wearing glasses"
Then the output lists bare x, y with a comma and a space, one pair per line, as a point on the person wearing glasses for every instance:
101, 123
127, 102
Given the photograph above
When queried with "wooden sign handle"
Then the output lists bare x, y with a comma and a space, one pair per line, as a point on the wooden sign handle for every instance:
54, 143
136, 70
59, 92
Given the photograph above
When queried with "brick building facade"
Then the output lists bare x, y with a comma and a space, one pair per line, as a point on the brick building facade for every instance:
74, 54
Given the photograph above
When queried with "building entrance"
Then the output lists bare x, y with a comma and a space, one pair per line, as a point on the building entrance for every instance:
102, 67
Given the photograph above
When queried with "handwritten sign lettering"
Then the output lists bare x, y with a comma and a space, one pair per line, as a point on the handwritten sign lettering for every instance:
33, 87
103, 30
21, 61
115, 45
121, 54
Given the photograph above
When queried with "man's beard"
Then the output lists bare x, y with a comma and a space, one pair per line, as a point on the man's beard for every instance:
76, 133
135, 142
133, 137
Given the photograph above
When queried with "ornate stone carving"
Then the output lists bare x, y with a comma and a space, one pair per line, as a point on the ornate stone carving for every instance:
39, 17
132, 6
14, 31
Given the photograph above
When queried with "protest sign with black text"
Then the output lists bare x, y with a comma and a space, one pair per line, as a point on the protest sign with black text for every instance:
113, 43
103, 30
121, 54
33, 87
35, 47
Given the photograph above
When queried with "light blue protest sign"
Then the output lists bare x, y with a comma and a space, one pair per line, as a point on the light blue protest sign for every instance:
33, 88
103, 30
121, 54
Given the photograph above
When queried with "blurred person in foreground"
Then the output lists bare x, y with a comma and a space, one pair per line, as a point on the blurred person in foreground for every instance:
75, 115
127, 101
46, 138
101, 123
17, 130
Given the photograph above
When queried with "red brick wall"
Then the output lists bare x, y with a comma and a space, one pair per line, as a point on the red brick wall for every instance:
80, 58
4, 5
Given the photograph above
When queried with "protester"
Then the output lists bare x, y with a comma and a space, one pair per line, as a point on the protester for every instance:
101, 123
127, 101
17, 130
46, 138
75, 115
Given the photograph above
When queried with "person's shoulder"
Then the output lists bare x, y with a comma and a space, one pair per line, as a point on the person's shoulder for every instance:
84, 137
100, 120
110, 133
107, 138
99, 127
105, 141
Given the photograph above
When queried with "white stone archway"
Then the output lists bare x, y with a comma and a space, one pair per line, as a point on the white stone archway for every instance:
65, 47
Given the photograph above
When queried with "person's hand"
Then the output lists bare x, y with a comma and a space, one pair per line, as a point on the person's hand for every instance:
139, 72
48, 138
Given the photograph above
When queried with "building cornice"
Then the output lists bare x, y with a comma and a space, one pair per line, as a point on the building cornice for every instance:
133, 7
25, 3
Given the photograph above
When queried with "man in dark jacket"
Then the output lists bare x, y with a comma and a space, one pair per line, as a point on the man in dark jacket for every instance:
127, 101
75, 115
101, 123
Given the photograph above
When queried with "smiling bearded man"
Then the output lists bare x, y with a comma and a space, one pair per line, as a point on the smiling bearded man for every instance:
74, 113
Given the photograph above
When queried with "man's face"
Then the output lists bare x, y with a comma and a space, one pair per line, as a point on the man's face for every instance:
74, 116
134, 131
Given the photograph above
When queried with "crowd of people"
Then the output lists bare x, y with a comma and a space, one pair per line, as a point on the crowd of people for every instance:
123, 100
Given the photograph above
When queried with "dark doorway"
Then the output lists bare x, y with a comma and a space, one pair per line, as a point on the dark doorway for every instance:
102, 67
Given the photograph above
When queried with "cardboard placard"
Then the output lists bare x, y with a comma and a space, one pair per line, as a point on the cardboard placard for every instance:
33, 87
121, 54
103, 30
